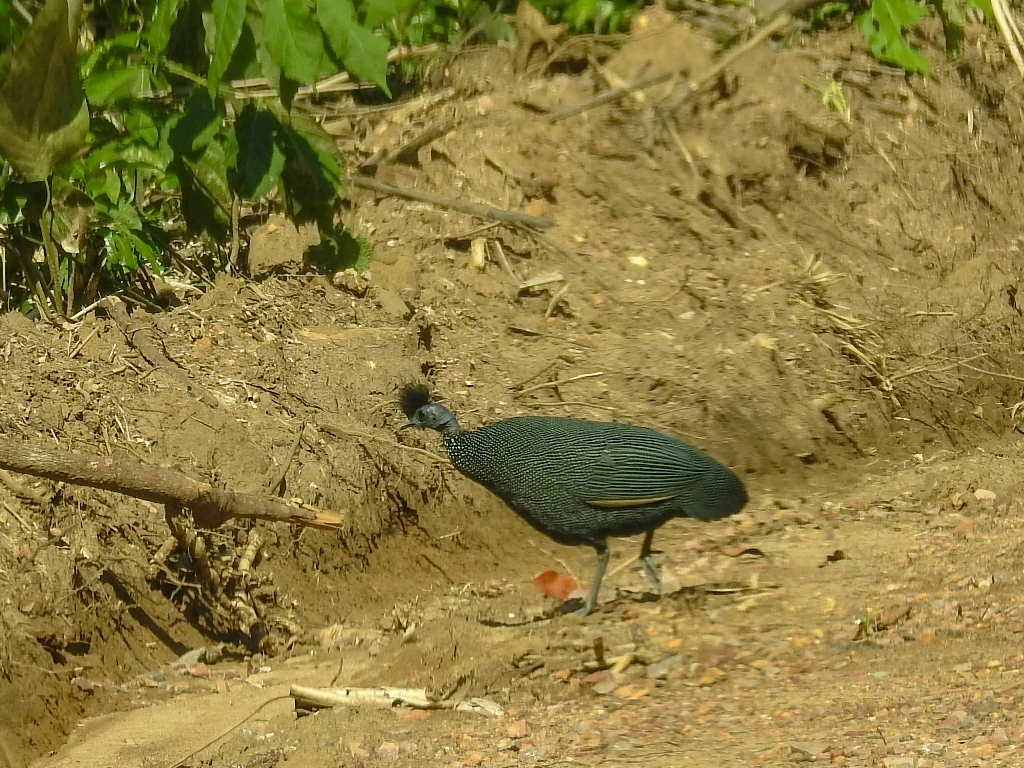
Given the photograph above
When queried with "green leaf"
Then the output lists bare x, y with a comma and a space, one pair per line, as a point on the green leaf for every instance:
312, 176
128, 41
379, 11
985, 6
882, 26
581, 13
269, 68
119, 250
201, 121
12, 208
116, 84
158, 31
205, 195
340, 250
145, 250
44, 119
363, 54
953, 23
293, 39
141, 125
228, 19
128, 155
256, 164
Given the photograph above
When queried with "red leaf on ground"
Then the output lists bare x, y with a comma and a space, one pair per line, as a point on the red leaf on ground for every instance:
554, 584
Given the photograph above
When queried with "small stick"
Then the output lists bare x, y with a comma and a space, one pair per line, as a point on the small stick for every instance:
153, 355
416, 143
777, 24
210, 506
473, 209
998, 375
275, 481
81, 345
334, 429
553, 304
552, 384
547, 367
505, 264
666, 74
236, 206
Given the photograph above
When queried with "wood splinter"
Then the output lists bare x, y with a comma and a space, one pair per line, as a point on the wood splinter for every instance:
414, 698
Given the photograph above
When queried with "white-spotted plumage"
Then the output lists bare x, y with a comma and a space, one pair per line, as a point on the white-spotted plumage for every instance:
580, 481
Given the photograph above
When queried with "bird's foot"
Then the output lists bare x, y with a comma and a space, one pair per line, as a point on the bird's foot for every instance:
652, 575
584, 611
576, 607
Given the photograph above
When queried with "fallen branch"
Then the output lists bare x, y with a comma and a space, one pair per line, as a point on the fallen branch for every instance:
473, 209
210, 506
386, 698
138, 338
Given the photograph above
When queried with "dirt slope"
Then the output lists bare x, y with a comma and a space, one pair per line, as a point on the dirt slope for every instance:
827, 306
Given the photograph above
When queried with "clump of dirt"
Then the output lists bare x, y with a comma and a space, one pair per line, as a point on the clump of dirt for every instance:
802, 292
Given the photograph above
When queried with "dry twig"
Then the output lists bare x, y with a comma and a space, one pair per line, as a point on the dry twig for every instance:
473, 209
138, 338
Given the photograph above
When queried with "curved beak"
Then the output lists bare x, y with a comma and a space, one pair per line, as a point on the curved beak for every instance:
406, 423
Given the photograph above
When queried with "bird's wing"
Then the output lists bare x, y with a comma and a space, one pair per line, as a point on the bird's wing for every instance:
622, 478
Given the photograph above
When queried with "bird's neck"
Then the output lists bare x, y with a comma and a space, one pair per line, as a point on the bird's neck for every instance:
450, 428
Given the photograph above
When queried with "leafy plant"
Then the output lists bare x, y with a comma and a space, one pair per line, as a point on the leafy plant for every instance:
883, 24
583, 15
112, 154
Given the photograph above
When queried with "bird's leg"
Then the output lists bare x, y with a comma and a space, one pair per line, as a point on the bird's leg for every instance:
595, 584
645, 560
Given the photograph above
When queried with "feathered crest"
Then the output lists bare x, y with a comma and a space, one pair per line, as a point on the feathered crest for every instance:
412, 398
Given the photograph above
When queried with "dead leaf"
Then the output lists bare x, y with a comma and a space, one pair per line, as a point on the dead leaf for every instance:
554, 584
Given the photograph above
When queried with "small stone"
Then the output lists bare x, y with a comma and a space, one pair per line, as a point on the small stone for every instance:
660, 669
389, 751
711, 676
899, 762
605, 687
985, 751
999, 738
632, 691
958, 720
518, 730
809, 748
358, 752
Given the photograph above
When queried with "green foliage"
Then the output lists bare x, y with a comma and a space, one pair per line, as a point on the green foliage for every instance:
606, 16
140, 140
883, 24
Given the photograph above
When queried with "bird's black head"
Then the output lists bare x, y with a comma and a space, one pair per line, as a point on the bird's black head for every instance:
420, 411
